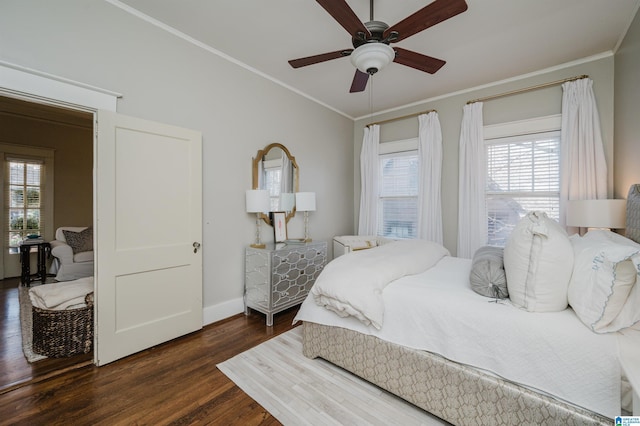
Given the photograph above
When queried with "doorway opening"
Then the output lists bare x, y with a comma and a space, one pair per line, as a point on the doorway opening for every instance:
30, 127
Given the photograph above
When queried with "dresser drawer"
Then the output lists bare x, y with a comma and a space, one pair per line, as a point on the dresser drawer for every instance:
278, 278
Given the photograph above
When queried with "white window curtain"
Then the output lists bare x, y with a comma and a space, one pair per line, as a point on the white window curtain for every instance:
261, 177
430, 177
286, 179
367, 224
583, 171
472, 214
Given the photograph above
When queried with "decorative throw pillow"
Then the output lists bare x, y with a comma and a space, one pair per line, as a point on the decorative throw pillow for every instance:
79, 241
538, 261
487, 273
602, 290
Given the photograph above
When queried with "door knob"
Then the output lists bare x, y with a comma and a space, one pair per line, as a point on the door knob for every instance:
196, 246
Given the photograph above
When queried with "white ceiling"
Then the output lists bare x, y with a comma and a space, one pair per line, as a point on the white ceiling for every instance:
493, 40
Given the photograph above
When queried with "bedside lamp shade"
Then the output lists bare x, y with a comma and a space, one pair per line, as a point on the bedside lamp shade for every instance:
597, 213
306, 201
257, 201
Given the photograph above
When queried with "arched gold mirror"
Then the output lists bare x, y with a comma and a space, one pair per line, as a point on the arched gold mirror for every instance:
276, 170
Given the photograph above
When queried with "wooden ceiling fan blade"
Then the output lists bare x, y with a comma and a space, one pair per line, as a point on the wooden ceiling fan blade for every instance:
341, 12
428, 16
315, 59
359, 82
417, 60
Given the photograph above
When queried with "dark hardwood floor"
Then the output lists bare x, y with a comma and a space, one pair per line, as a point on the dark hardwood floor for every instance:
14, 368
173, 383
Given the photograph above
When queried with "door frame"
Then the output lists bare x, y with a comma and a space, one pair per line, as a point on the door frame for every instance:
38, 87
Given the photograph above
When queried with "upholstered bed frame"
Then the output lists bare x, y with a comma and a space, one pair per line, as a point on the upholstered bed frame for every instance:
454, 392
458, 394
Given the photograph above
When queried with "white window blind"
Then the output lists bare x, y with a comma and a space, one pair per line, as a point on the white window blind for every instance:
398, 195
24, 199
523, 175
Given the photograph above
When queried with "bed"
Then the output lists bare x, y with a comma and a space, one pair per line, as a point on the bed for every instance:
427, 337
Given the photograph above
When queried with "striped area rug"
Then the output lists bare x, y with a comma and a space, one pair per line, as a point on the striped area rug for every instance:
301, 391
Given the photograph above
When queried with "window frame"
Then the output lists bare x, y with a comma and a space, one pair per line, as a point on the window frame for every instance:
404, 147
46, 157
494, 133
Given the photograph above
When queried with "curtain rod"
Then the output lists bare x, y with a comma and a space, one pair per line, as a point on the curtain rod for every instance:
401, 118
528, 89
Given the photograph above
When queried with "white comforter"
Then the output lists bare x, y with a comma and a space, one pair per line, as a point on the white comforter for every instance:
437, 311
352, 285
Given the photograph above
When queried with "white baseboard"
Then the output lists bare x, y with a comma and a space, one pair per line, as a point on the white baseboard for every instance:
211, 314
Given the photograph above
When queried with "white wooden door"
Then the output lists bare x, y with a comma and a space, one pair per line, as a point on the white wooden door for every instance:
148, 218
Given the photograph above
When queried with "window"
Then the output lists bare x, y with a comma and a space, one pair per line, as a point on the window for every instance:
523, 175
24, 184
273, 178
398, 190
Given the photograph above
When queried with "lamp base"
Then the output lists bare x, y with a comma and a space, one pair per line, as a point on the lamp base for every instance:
260, 246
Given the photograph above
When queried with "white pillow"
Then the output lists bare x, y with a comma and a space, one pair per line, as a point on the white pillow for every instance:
601, 291
538, 261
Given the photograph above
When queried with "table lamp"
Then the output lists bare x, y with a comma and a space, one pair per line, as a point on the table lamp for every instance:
257, 201
607, 214
306, 202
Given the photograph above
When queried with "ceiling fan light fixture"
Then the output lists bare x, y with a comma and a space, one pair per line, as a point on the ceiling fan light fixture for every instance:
372, 57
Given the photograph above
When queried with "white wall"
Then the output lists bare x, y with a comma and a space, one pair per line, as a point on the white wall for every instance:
527, 105
627, 120
164, 78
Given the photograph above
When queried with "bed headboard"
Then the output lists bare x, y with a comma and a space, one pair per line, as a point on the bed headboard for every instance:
633, 213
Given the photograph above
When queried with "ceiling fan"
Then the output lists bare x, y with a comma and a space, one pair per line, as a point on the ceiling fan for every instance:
371, 39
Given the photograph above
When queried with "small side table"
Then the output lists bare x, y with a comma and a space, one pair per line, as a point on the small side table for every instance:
44, 249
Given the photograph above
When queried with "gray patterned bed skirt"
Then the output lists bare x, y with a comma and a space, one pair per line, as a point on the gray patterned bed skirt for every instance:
456, 393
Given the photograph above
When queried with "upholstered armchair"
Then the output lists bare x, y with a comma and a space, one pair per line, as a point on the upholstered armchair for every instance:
73, 253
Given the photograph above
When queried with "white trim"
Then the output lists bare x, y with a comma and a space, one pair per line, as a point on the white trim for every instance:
581, 61
211, 314
29, 84
549, 123
398, 146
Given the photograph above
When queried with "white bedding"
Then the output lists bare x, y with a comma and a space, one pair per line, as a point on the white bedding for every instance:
355, 289
63, 295
437, 311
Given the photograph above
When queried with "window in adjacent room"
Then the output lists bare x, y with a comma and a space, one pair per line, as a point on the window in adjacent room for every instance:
398, 189
24, 199
523, 175
27, 202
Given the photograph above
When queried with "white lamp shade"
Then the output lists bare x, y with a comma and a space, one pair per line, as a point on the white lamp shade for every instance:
306, 201
372, 56
597, 213
257, 201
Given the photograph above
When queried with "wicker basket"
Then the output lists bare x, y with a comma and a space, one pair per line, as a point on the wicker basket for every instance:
64, 333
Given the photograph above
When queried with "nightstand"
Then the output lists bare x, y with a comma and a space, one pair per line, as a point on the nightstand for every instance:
280, 276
